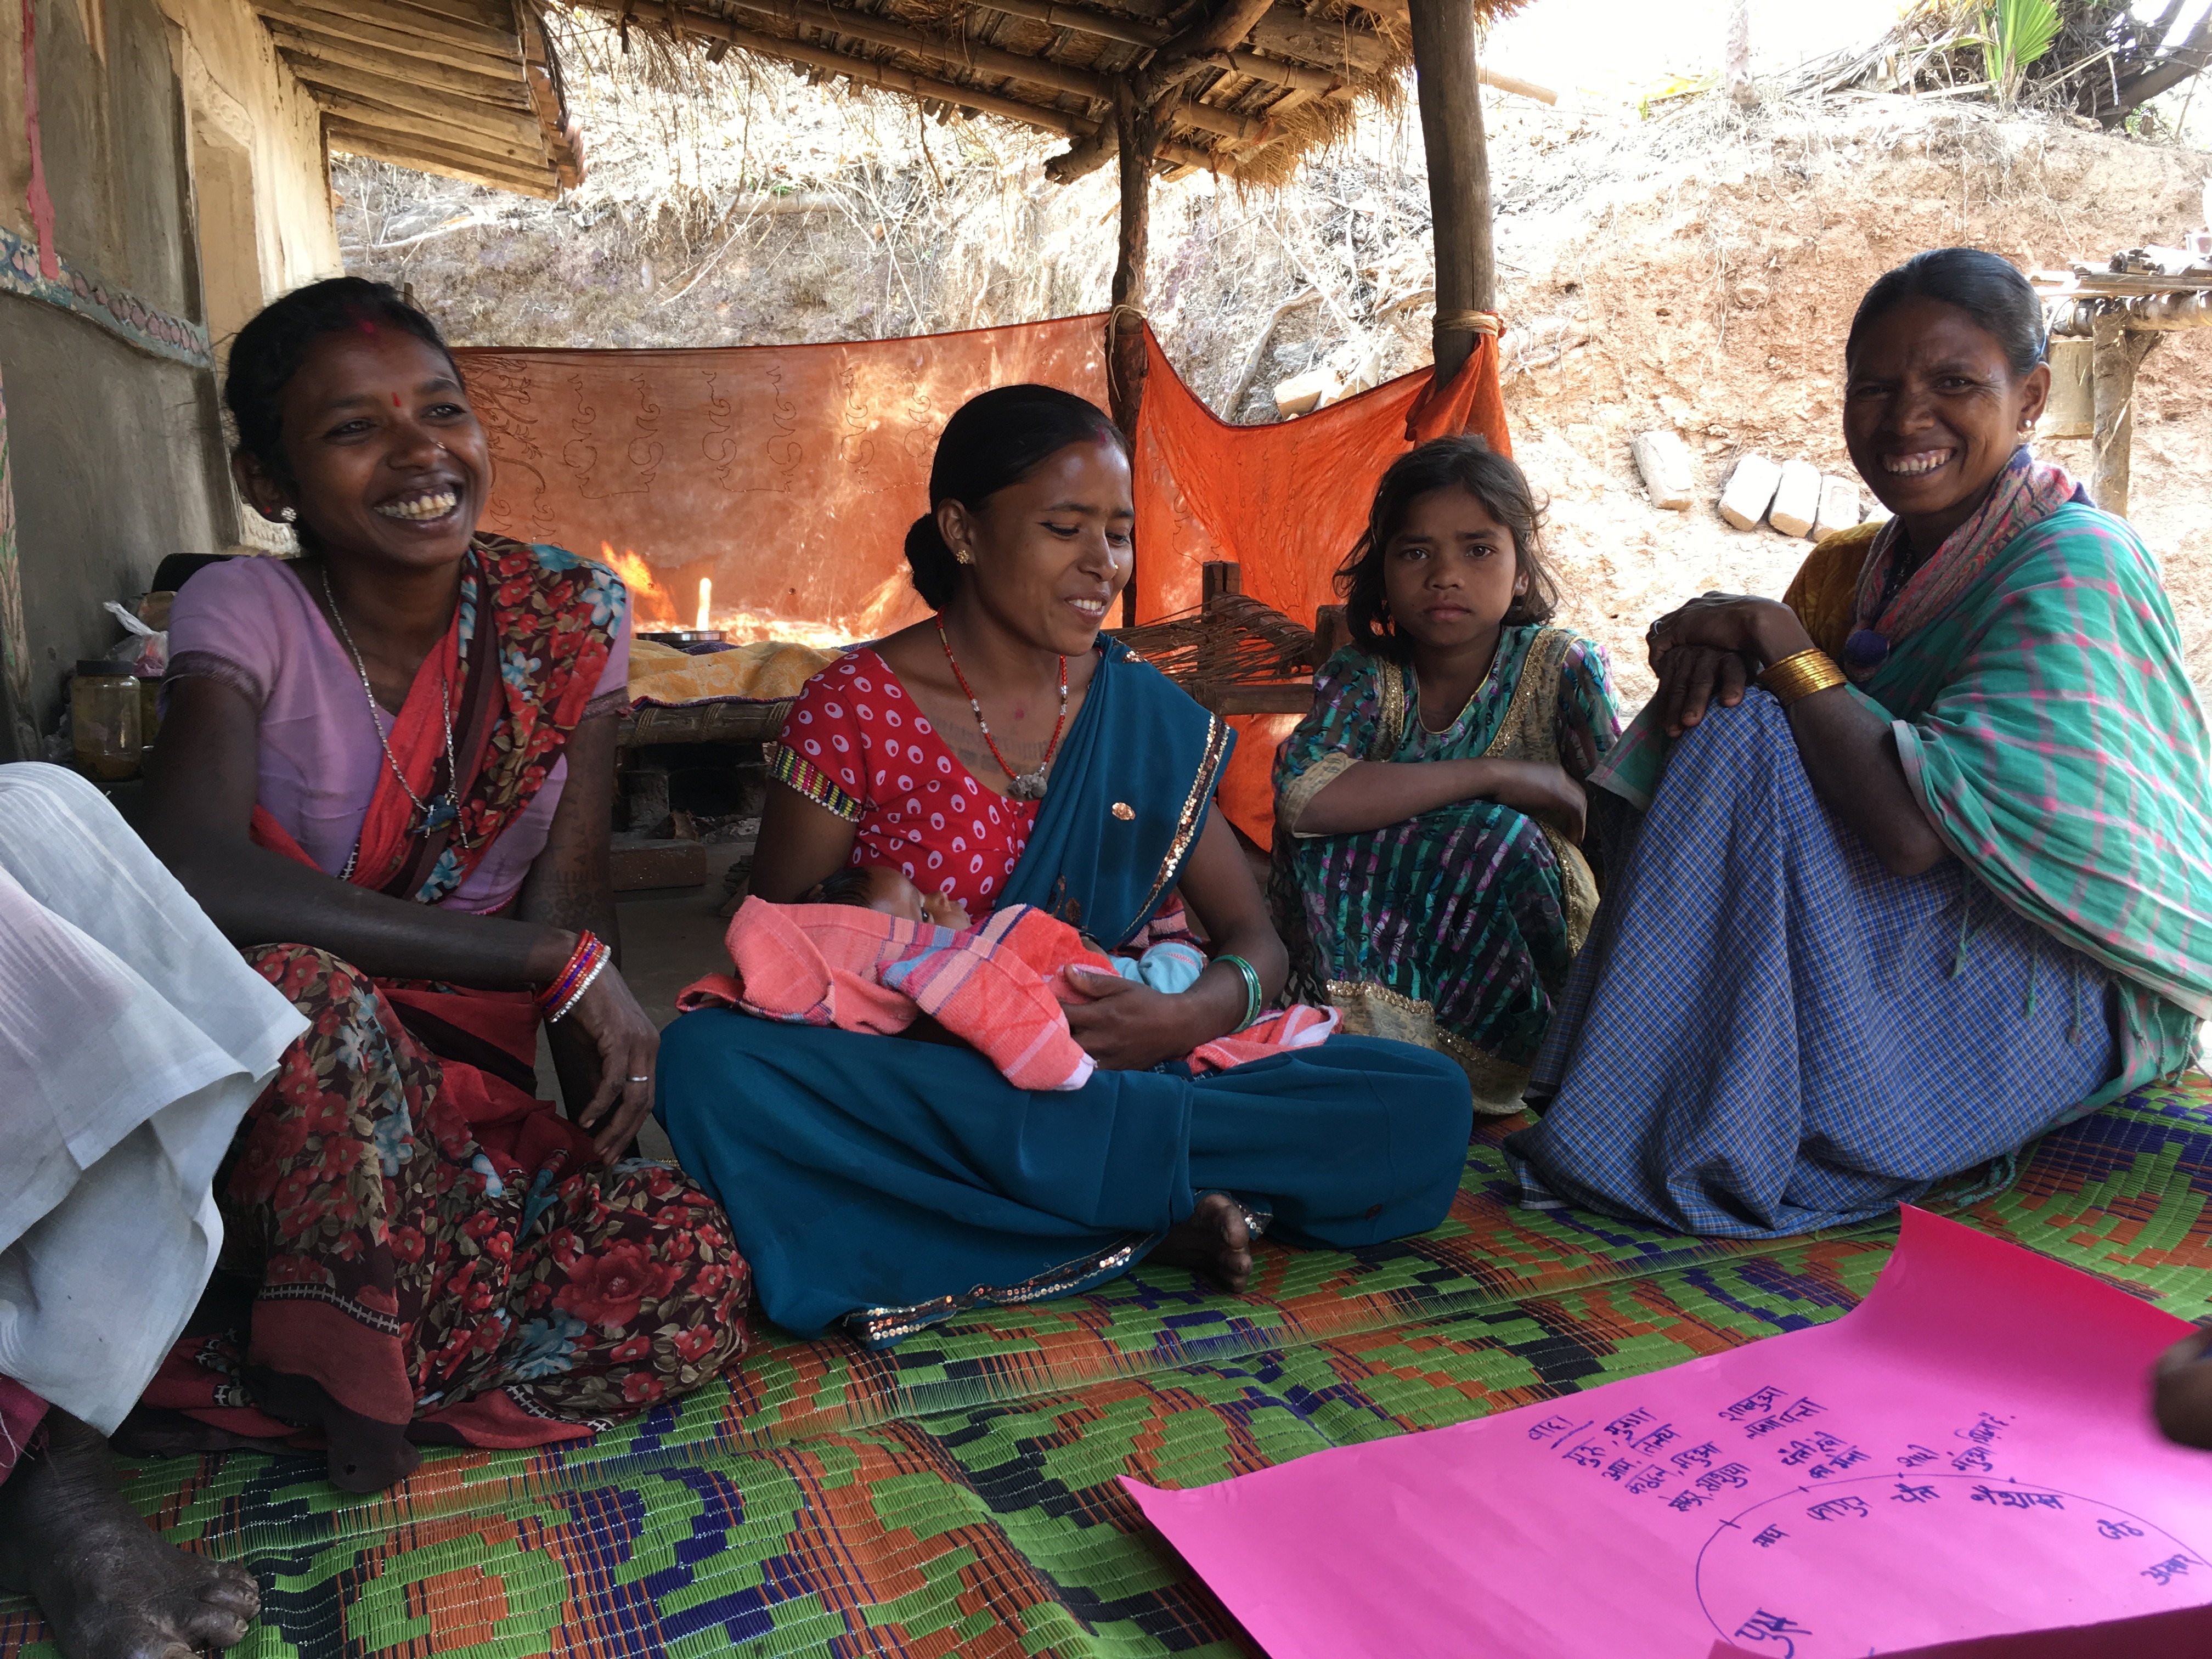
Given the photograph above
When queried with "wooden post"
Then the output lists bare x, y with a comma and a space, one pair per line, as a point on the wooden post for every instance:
1445, 75
1736, 61
2119, 352
1124, 327
1332, 632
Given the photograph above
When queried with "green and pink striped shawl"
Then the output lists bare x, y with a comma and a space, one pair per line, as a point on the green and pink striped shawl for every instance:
2048, 725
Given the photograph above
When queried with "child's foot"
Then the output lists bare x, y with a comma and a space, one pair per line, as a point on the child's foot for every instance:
107, 1583
365, 1454
1213, 1243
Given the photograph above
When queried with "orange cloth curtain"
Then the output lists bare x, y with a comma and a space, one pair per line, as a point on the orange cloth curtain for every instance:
788, 475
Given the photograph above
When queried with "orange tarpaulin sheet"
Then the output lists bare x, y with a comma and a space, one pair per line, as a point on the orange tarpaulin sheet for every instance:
787, 477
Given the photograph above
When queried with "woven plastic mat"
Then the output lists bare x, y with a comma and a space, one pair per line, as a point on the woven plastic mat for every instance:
957, 1495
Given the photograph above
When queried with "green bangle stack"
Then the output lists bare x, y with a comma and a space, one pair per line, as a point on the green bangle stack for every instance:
1254, 1001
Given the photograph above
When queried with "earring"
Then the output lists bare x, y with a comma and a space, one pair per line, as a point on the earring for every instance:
962, 555
289, 514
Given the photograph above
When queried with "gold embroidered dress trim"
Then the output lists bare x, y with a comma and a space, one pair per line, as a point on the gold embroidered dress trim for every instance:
1192, 819
877, 1328
1379, 1010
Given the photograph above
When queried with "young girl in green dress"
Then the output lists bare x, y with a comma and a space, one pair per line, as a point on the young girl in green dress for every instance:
1428, 878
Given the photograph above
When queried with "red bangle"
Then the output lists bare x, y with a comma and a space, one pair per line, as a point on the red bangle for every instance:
564, 982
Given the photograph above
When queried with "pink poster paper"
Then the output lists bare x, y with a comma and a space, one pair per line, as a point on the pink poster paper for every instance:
1969, 1453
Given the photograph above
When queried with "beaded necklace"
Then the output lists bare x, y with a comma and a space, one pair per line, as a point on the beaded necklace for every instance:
1022, 785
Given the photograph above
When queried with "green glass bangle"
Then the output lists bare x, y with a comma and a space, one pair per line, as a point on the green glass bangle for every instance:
1253, 998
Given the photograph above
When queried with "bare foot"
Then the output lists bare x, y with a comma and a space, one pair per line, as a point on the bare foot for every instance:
1213, 1243
365, 1454
107, 1584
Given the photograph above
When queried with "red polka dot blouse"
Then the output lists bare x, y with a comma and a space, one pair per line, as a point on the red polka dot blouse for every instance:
856, 745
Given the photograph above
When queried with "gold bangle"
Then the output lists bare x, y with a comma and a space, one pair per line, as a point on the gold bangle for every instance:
1802, 674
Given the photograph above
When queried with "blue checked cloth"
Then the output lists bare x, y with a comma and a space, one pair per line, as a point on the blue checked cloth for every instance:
1768, 1032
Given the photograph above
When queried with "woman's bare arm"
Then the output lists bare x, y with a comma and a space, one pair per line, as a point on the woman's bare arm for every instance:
800, 844
201, 790
571, 887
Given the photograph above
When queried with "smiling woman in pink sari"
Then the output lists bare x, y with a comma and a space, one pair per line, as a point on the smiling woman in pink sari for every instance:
395, 756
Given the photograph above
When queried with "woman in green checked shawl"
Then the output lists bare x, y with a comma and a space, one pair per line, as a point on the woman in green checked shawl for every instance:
1941, 879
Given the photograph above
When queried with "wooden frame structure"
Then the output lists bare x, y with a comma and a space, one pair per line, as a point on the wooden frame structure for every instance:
469, 88
2124, 310
1240, 87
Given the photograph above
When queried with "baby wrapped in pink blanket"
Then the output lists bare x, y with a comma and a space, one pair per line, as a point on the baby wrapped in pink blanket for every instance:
1000, 987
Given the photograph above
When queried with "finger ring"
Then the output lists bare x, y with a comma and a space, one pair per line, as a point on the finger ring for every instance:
647, 1079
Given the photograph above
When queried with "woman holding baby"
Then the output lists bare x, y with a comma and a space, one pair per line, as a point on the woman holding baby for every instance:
1003, 752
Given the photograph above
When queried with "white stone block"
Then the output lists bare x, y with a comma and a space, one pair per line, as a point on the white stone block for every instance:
1796, 499
1877, 514
1303, 393
1750, 489
1839, 505
1664, 462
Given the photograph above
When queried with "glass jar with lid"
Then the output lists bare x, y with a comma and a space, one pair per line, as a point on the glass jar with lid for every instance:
105, 727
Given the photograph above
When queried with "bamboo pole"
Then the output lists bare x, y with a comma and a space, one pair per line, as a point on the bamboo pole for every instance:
1448, 80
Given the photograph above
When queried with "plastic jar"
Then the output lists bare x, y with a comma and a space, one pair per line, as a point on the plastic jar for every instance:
104, 721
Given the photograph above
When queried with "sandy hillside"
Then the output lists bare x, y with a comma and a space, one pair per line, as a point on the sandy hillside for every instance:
1696, 272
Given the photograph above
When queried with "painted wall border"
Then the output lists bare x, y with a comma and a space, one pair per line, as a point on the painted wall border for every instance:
79, 291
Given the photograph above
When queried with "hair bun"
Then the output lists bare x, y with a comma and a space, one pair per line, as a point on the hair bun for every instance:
935, 572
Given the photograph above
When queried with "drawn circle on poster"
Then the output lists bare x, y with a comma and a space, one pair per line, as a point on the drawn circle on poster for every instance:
1920, 1559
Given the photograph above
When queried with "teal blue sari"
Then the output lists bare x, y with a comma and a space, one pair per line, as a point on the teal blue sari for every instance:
878, 1186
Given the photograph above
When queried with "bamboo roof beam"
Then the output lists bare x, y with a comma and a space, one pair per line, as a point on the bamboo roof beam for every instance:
1068, 122
842, 20
439, 155
483, 79
1156, 87
404, 50
525, 157
420, 28
489, 124
1136, 32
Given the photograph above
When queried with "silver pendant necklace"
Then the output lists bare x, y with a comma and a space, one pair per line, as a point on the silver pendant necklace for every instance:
436, 815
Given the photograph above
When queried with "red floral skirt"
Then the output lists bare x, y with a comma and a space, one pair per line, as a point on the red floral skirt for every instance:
434, 1248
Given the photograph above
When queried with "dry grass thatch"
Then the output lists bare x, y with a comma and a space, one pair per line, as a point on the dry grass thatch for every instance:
1291, 85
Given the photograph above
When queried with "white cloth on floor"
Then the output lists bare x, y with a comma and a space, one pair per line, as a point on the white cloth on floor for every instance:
133, 1036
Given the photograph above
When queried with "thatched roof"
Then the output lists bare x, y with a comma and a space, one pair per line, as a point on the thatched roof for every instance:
1286, 82
469, 88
